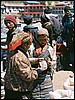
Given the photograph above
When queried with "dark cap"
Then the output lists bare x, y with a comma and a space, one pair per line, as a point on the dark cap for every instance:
27, 19
67, 8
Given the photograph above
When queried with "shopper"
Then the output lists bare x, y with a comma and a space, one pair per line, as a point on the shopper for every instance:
19, 75
42, 58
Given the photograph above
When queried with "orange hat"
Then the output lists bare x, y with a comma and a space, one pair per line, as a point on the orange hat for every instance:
43, 31
20, 38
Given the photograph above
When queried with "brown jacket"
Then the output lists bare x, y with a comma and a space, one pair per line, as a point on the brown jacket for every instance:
19, 74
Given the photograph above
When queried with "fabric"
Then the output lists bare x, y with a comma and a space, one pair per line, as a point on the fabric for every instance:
68, 30
44, 19
11, 33
43, 84
20, 75
11, 18
56, 26
20, 38
67, 23
42, 90
39, 50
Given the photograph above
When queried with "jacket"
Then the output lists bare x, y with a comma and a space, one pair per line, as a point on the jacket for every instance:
19, 74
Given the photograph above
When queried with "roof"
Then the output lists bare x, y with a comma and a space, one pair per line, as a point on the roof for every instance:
58, 7
33, 2
34, 5
16, 5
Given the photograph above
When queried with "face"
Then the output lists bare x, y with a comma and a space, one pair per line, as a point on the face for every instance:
10, 25
67, 12
42, 40
26, 45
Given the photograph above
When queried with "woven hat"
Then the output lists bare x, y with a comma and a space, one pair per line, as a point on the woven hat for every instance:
43, 31
10, 18
19, 39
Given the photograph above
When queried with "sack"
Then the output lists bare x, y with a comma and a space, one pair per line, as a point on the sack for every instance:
62, 94
56, 25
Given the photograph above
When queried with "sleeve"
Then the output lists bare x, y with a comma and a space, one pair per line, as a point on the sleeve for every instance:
23, 68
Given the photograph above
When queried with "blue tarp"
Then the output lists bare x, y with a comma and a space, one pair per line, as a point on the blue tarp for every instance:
2, 7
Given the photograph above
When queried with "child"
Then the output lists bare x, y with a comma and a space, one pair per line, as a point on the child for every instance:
42, 58
61, 53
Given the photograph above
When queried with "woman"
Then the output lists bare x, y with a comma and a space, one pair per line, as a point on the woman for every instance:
19, 74
11, 24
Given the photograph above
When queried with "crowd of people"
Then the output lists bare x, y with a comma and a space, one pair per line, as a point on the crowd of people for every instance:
32, 57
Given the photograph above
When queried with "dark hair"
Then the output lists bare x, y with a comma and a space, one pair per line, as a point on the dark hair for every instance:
28, 22
44, 19
27, 19
47, 11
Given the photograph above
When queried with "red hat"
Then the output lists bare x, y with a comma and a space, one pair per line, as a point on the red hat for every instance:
11, 18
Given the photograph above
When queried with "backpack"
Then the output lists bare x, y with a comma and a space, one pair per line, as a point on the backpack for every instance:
56, 25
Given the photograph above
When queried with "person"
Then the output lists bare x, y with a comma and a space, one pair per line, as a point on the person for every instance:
11, 24
68, 33
28, 19
46, 24
43, 56
19, 73
61, 53
67, 21
56, 25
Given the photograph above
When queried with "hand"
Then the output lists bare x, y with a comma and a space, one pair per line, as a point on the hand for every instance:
40, 59
43, 68
43, 65
49, 63
47, 24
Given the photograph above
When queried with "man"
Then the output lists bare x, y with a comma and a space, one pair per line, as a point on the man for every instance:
56, 25
29, 27
68, 32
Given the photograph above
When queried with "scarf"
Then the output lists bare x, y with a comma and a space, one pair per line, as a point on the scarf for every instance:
40, 50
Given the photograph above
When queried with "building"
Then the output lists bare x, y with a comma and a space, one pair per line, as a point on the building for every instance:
30, 7
36, 10
11, 8
31, 2
58, 8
